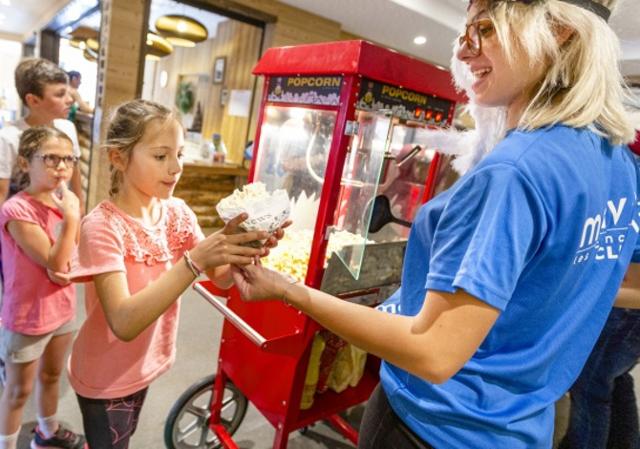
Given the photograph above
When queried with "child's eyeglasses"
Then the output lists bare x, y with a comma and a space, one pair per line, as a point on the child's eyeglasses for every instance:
53, 160
474, 33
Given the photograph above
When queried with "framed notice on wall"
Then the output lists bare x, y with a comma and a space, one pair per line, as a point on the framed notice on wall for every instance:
218, 69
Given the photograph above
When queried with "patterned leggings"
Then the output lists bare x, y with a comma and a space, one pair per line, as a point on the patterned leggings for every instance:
110, 423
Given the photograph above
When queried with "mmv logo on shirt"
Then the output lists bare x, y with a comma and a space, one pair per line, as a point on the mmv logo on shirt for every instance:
603, 235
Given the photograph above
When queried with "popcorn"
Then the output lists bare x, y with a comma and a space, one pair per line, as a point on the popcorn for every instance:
266, 211
291, 256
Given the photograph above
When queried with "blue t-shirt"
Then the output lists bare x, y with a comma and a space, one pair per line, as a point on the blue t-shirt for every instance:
542, 229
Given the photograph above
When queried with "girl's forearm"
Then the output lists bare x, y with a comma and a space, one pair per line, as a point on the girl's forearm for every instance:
62, 250
129, 315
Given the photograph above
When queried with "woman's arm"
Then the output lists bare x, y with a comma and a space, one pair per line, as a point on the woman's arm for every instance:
128, 315
433, 345
32, 239
629, 294
82, 105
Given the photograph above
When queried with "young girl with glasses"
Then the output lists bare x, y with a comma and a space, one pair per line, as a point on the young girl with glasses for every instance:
138, 252
510, 274
39, 227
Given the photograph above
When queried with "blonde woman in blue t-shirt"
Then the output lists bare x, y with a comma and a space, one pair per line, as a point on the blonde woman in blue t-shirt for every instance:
510, 274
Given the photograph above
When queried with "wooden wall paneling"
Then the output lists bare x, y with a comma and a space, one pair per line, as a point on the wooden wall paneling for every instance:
122, 35
242, 59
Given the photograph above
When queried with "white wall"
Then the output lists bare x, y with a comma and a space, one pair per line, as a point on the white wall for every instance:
10, 54
71, 58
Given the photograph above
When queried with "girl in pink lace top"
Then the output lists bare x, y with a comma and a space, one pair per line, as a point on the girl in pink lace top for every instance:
139, 251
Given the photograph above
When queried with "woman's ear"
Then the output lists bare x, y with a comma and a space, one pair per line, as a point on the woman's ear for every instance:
563, 33
117, 158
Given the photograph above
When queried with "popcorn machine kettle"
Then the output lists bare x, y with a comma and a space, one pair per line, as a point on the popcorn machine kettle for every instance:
339, 124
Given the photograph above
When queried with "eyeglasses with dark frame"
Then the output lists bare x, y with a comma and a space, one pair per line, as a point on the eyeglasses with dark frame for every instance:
53, 160
474, 33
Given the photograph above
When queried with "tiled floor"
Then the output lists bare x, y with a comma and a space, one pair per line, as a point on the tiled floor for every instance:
198, 342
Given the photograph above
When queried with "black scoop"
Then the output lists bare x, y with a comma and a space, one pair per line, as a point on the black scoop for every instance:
382, 215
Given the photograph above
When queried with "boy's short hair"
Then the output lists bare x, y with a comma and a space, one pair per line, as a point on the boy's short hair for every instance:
73, 74
33, 74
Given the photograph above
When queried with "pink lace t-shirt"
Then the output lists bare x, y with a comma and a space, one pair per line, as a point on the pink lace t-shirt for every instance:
102, 366
31, 303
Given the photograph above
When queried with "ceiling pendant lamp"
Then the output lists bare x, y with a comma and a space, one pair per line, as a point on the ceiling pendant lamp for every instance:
77, 43
90, 55
181, 31
157, 46
93, 44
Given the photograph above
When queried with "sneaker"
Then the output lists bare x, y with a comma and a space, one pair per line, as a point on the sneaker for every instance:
62, 439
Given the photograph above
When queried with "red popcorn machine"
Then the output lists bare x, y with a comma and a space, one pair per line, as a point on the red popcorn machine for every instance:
341, 128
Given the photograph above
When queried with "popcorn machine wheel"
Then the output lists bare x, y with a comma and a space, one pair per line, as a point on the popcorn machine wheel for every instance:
339, 124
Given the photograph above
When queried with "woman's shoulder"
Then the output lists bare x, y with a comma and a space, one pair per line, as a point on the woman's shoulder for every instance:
524, 148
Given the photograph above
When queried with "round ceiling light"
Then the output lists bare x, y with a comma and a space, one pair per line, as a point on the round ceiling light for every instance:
93, 44
77, 43
157, 46
180, 30
90, 55
420, 40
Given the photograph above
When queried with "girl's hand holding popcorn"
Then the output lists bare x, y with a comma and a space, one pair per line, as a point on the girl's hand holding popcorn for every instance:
233, 227
221, 249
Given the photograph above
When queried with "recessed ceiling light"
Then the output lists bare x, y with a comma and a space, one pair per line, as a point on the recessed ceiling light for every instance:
420, 40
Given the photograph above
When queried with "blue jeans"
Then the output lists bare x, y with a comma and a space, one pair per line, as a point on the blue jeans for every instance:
603, 406
381, 428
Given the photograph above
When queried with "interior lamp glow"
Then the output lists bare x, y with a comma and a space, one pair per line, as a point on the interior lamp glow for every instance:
181, 30
420, 40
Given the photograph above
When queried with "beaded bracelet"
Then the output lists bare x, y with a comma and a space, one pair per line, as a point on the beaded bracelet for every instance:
191, 264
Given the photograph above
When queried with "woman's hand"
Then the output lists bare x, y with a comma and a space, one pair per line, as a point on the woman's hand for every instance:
255, 282
220, 249
67, 202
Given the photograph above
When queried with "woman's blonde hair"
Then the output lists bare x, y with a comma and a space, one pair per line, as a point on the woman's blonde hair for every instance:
583, 85
127, 126
31, 140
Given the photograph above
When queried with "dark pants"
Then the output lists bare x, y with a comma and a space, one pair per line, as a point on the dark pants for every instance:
110, 423
603, 406
381, 428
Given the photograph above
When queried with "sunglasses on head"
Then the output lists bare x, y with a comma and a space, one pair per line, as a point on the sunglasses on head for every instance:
53, 160
590, 5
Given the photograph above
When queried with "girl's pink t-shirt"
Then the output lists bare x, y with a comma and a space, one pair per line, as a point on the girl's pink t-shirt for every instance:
31, 303
102, 366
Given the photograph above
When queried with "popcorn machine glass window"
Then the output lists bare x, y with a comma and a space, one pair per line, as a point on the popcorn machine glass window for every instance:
294, 148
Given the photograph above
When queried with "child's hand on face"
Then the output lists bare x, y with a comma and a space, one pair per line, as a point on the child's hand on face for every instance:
67, 201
